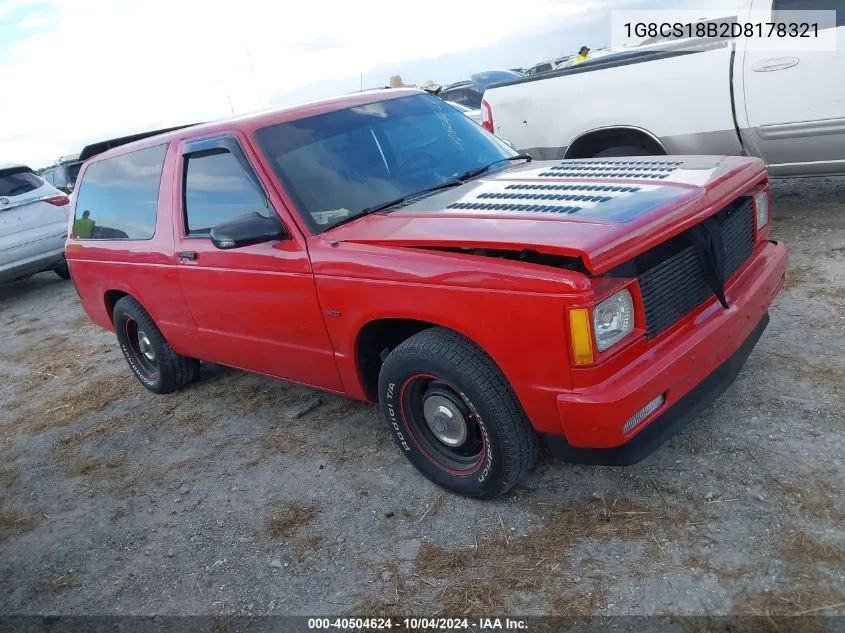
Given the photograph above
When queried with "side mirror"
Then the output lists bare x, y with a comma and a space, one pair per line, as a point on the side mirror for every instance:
246, 230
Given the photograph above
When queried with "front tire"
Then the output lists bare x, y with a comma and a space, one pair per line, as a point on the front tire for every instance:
63, 271
454, 415
150, 357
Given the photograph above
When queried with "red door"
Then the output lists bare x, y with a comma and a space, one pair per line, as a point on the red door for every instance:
255, 307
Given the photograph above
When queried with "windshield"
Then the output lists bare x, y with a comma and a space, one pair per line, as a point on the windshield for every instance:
336, 165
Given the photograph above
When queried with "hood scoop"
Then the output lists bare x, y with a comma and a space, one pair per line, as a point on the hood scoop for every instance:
632, 169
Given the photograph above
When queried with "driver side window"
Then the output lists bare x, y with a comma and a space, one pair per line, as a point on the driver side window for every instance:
217, 190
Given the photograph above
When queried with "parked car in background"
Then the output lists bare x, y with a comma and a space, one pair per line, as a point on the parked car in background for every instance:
63, 174
593, 56
544, 67
469, 93
473, 114
351, 244
33, 225
692, 96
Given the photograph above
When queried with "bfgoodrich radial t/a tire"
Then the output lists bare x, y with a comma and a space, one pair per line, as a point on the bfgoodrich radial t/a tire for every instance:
150, 357
454, 416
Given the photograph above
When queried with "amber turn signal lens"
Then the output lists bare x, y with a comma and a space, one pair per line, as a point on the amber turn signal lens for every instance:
582, 336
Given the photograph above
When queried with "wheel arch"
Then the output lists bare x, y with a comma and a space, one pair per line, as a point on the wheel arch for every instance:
378, 336
589, 143
111, 297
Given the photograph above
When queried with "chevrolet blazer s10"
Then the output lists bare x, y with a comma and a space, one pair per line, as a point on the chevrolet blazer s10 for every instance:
385, 247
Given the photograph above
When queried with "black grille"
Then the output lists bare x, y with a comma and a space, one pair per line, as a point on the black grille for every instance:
676, 285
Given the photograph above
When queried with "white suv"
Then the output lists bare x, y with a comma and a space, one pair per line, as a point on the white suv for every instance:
33, 225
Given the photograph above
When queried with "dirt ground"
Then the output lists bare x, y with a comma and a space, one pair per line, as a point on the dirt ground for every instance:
228, 499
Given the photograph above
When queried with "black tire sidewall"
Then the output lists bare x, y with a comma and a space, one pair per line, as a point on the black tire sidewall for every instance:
487, 480
124, 311
618, 151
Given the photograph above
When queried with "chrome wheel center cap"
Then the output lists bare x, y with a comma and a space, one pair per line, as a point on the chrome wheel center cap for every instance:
445, 420
145, 346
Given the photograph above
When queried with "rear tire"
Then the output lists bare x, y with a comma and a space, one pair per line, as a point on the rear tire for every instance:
156, 365
624, 150
454, 415
63, 271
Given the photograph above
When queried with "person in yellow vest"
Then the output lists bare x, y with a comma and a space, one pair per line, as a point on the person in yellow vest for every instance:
84, 226
582, 55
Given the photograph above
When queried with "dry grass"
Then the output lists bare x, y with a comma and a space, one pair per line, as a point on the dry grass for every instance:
806, 598
14, 521
475, 598
579, 605
292, 517
91, 465
306, 545
834, 295
439, 562
65, 581
59, 356
7, 477
280, 438
816, 497
195, 422
67, 447
526, 562
802, 550
247, 394
81, 321
472, 581
798, 275
725, 576
90, 396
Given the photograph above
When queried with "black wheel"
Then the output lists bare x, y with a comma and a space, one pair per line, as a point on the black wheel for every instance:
624, 150
152, 360
454, 416
63, 272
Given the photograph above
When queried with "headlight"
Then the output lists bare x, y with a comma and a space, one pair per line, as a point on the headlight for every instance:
613, 319
761, 206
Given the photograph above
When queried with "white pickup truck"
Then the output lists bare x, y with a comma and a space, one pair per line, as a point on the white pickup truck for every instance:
688, 97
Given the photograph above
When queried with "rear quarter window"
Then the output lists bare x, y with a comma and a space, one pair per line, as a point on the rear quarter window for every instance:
18, 181
118, 197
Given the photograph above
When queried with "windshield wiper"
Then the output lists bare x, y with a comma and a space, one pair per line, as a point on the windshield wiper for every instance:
454, 182
448, 184
472, 173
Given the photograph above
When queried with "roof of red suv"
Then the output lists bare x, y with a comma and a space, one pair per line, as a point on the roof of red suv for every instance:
254, 121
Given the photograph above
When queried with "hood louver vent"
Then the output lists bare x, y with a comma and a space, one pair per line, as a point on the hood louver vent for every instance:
608, 188
571, 197
501, 206
634, 169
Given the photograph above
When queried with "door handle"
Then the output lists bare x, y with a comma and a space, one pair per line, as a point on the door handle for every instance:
189, 255
775, 63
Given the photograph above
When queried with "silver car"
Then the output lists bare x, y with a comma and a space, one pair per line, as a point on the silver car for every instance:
33, 225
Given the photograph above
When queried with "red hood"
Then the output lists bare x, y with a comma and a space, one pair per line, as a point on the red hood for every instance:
604, 211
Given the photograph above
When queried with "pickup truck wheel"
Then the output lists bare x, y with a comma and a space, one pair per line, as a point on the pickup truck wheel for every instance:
150, 357
454, 415
63, 271
624, 150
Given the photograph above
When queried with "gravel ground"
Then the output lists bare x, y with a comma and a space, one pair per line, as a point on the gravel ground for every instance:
240, 496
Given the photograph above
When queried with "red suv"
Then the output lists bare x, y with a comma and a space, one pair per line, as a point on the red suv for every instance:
385, 247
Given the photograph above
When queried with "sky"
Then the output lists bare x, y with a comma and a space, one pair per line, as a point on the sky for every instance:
74, 72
